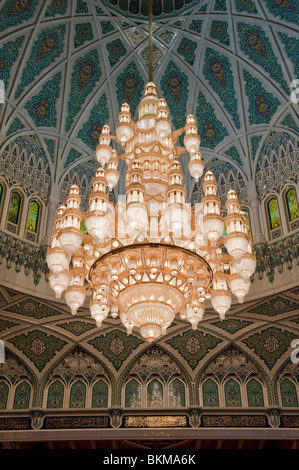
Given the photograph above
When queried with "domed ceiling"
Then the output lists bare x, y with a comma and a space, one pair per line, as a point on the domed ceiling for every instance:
67, 67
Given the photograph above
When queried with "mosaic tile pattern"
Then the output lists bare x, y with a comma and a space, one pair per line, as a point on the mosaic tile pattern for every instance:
32, 308
246, 5
133, 394
51, 148
220, 5
55, 395
130, 85
187, 49
78, 395
86, 73
217, 70
81, 7
276, 306
14, 12
15, 126
288, 393
255, 393
234, 154
270, 344
100, 395
22, 396
262, 104
107, 27
287, 10
47, 47
116, 50
256, 45
291, 46
167, 37
72, 157
83, 34
174, 85
77, 327
196, 26
219, 32
210, 128
38, 347
8, 55
232, 393
255, 142
116, 346
290, 122
6, 324
56, 7
210, 393
193, 345
232, 325
42, 107
90, 131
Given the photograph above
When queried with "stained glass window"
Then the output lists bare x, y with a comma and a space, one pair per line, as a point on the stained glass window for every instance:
288, 393
255, 393
133, 394
273, 212
78, 395
155, 394
177, 393
232, 393
292, 204
55, 395
246, 213
22, 396
32, 218
100, 395
14, 208
4, 391
210, 393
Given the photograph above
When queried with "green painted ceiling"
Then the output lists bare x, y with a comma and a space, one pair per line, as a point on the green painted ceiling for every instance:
68, 65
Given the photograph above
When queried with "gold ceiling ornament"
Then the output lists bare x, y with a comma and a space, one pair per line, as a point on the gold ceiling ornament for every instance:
152, 255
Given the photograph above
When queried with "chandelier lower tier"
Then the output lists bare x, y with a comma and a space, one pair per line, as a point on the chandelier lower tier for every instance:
151, 255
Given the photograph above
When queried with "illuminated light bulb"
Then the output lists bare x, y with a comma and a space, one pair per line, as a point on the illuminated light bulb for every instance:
59, 282
57, 260
246, 265
74, 297
195, 315
239, 286
98, 312
124, 131
221, 301
162, 124
151, 332
191, 139
114, 311
129, 328
112, 174
103, 150
196, 166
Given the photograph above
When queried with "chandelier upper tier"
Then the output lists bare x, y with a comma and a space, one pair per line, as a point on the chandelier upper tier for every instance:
151, 255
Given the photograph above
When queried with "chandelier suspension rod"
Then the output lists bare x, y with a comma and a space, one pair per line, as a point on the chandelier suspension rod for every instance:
150, 45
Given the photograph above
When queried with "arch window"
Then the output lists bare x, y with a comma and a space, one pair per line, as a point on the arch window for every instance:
232, 393
210, 393
78, 395
288, 393
274, 217
14, 210
155, 394
133, 394
177, 393
22, 396
55, 395
255, 393
4, 391
100, 395
32, 221
292, 207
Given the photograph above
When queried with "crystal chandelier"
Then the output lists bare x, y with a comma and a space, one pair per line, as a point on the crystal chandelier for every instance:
150, 256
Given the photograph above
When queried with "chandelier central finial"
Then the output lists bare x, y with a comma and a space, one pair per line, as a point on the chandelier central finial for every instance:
152, 255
